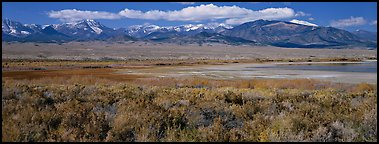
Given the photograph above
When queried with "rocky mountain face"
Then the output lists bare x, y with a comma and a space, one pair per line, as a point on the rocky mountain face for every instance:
142, 31
372, 36
87, 30
287, 34
81, 31
203, 38
17, 29
260, 32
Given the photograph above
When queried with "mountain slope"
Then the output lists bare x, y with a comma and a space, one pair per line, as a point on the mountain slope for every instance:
48, 34
372, 36
17, 29
83, 30
287, 34
79, 31
263, 32
202, 38
142, 31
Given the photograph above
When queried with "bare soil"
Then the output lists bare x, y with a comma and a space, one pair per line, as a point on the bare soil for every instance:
99, 50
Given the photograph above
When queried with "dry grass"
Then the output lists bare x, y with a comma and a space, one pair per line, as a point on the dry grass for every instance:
51, 64
105, 73
93, 104
92, 108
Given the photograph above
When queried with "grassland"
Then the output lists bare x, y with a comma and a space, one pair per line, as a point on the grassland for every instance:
70, 92
55, 100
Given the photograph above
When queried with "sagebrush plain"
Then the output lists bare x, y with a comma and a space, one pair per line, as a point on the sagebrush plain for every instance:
51, 95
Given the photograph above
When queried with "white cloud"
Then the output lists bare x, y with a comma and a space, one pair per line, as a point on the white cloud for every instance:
229, 14
373, 22
233, 14
302, 22
70, 15
300, 13
267, 14
198, 13
186, 3
311, 19
352, 21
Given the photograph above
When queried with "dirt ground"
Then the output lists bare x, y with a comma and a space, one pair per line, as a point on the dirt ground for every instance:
124, 61
140, 50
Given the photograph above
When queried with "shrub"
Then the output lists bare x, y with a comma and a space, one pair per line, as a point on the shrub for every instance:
84, 109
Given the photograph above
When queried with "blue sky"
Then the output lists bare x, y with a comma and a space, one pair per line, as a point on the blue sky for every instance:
345, 15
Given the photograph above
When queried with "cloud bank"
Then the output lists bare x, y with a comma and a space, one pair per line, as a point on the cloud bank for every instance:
300, 13
229, 14
233, 14
352, 21
69, 15
267, 14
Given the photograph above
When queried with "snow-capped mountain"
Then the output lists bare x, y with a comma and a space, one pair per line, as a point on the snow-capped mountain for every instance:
289, 34
195, 29
80, 30
17, 29
92, 30
278, 33
140, 31
85, 29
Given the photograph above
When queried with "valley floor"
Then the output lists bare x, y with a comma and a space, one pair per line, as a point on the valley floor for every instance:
130, 100
89, 108
99, 50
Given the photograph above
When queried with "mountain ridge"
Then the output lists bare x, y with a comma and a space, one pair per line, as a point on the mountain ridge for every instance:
275, 33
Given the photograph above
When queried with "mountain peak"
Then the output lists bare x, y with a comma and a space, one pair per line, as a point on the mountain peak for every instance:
259, 22
90, 21
6, 19
84, 21
270, 32
87, 24
9, 21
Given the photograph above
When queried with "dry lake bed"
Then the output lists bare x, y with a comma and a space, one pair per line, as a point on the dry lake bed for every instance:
344, 72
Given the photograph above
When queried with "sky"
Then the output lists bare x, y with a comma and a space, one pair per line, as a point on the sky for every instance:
344, 15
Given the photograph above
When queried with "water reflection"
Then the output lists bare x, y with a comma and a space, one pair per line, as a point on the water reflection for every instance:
366, 67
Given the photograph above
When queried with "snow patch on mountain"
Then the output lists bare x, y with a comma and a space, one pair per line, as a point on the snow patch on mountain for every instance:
94, 26
44, 26
303, 22
146, 29
96, 29
13, 31
25, 32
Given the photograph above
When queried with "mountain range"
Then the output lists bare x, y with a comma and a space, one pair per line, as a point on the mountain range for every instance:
259, 32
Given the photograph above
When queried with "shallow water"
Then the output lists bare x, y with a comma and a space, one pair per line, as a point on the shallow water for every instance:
366, 67
345, 72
